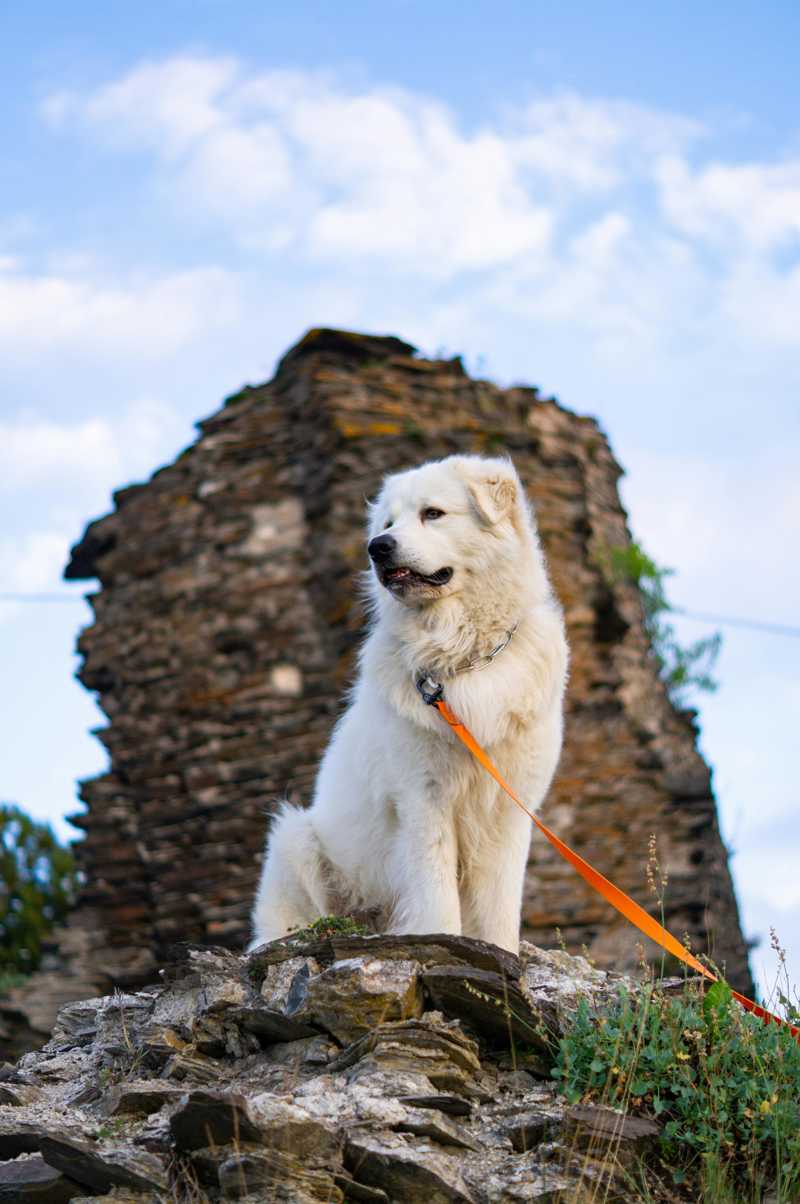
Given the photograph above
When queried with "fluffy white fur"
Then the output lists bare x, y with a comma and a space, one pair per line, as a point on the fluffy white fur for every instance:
403, 819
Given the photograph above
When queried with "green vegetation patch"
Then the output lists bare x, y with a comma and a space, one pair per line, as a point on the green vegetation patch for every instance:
724, 1086
38, 884
682, 667
327, 926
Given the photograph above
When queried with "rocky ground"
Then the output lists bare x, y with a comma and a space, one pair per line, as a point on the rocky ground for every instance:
319, 1068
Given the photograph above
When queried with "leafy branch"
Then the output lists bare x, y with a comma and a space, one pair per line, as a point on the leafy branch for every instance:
38, 883
682, 667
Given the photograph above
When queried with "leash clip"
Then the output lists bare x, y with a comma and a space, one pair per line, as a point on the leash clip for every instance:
432, 691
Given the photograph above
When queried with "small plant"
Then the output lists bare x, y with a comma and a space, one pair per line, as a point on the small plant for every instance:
112, 1128
327, 926
10, 979
682, 667
38, 884
784, 994
724, 1086
494, 441
105, 1076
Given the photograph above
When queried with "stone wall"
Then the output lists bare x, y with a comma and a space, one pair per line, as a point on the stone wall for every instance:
224, 634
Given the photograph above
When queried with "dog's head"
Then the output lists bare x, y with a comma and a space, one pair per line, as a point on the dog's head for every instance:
445, 527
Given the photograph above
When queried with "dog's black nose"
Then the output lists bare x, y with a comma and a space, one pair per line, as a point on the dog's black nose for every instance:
381, 548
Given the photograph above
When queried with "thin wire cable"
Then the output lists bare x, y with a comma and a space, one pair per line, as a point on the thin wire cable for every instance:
730, 621
700, 616
42, 598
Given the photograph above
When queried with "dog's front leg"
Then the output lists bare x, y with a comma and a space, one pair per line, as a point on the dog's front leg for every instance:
492, 890
425, 874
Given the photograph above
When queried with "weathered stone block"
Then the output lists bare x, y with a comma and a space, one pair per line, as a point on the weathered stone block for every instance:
29, 1180
102, 1166
351, 997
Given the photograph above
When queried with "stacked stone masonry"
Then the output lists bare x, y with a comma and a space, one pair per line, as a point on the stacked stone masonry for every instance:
224, 636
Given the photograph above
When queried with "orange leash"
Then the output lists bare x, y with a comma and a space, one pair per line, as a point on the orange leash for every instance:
611, 893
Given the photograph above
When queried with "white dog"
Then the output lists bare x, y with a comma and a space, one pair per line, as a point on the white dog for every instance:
403, 819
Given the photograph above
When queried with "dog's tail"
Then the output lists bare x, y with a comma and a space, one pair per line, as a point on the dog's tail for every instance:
293, 891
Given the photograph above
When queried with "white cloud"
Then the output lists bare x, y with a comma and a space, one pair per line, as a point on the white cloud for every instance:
166, 105
565, 209
594, 145
770, 874
37, 560
97, 453
762, 302
71, 467
142, 316
729, 524
757, 204
32, 563
380, 174
40, 450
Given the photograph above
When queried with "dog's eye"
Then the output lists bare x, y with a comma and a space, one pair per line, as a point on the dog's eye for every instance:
431, 513
387, 524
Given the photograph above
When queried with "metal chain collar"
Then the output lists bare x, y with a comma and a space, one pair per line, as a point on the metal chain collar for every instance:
432, 690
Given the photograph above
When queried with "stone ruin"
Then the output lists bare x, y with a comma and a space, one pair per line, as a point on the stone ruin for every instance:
223, 640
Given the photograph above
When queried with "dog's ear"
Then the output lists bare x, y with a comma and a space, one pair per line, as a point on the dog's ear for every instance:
494, 492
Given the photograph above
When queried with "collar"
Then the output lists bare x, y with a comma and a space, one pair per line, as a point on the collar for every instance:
432, 690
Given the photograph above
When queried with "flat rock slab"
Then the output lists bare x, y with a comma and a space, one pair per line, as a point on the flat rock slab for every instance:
17, 1095
352, 996
271, 1026
432, 950
103, 1166
287, 1126
185, 958
597, 1127
275, 1175
19, 1134
32, 1181
446, 1055
527, 1127
77, 1022
139, 1099
212, 1117
492, 1004
523, 1179
414, 1172
359, 1193
451, 1105
556, 981
438, 1127
318, 948
428, 949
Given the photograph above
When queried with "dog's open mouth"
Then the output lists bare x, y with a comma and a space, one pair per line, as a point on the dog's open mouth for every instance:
401, 578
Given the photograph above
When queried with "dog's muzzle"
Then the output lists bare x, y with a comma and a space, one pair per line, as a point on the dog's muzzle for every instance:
398, 577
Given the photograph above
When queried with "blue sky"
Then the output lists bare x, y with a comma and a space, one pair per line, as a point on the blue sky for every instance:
601, 201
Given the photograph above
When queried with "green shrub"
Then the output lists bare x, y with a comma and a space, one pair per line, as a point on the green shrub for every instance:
38, 883
724, 1085
682, 667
